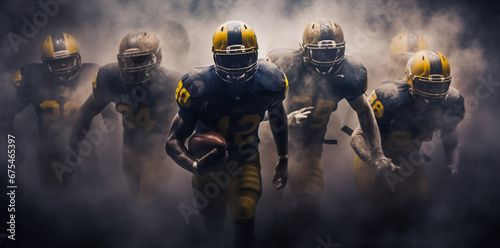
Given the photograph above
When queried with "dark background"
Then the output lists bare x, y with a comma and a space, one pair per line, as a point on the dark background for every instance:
466, 209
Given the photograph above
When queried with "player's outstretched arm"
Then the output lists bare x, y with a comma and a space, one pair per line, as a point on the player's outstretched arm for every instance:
279, 126
451, 151
370, 130
360, 145
92, 107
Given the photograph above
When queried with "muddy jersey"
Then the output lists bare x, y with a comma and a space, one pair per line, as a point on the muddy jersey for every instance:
55, 103
147, 109
404, 123
323, 92
205, 99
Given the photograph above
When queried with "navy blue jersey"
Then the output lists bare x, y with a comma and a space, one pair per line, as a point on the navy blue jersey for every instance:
404, 123
55, 103
146, 108
205, 99
323, 92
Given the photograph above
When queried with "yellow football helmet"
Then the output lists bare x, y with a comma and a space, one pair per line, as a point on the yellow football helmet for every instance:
404, 45
428, 74
234, 46
323, 46
61, 56
139, 57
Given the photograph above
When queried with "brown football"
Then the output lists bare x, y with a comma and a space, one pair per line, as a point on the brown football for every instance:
202, 143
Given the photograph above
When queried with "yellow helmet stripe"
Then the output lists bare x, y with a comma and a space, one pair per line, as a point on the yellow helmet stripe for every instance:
220, 38
71, 44
48, 47
248, 37
445, 65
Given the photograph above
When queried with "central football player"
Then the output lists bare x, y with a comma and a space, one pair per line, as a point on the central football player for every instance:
231, 97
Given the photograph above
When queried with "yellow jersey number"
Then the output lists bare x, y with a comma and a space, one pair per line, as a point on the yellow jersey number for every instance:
378, 108
321, 112
52, 112
132, 120
252, 121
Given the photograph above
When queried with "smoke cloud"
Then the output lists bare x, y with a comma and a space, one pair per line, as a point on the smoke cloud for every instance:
465, 208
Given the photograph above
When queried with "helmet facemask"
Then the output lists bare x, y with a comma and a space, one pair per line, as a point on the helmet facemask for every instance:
236, 65
63, 66
430, 90
139, 66
326, 57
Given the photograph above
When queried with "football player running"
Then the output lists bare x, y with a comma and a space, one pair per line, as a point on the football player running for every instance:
56, 89
409, 112
139, 87
320, 76
231, 97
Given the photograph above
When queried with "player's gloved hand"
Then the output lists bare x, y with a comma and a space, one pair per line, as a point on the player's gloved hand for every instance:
281, 173
451, 171
381, 163
211, 161
299, 117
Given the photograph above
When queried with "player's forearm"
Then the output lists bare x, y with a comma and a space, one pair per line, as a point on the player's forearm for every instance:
177, 151
180, 130
369, 127
360, 145
279, 127
451, 148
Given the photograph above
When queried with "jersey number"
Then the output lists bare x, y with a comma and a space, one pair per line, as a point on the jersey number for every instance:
378, 108
143, 117
252, 121
52, 112
321, 112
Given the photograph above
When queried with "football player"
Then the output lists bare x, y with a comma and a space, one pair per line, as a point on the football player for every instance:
231, 97
139, 87
320, 76
402, 48
408, 113
56, 89
176, 36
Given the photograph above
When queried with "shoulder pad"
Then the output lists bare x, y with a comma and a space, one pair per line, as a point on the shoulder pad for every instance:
455, 102
354, 71
271, 77
389, 95
28, 75
285, 59
355, 78
105, 79
197, 81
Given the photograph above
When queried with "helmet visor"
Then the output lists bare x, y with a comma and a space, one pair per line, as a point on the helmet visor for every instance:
136, 61
432, 86
62, 63
322, 55
235, 61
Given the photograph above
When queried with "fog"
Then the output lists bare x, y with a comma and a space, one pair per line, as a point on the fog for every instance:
465, 209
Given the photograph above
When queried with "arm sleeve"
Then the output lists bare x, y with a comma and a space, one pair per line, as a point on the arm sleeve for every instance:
188, 109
